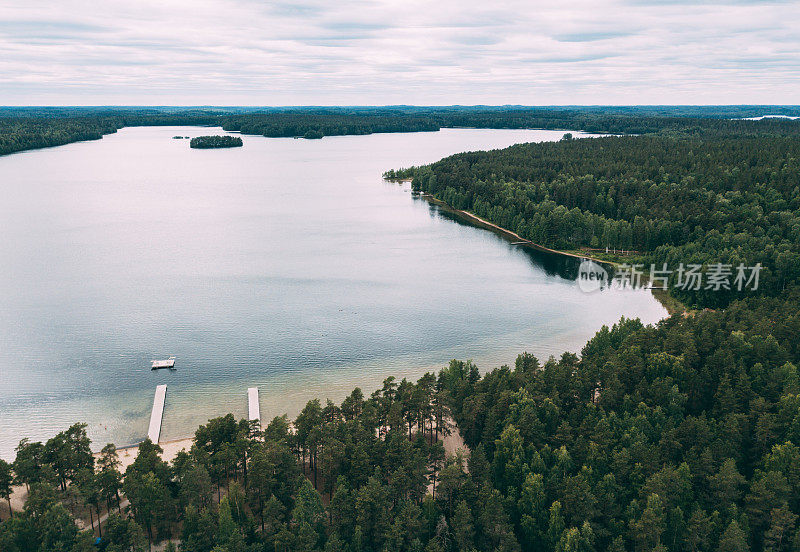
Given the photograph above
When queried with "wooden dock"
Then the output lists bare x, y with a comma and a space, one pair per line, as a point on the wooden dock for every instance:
253, 409
157, 414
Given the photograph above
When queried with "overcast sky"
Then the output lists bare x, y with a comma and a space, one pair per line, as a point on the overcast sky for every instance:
243, 52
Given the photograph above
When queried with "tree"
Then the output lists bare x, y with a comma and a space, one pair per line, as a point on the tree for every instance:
495, 532
727, 483
371, 511
308, 509
196, 487
198, 533
90, 492
647, 530
29, 463
576, 540
509, 465
555, 525
148, 459
57, 529
307, 424
533, 512
779, 535
733, 539
150, 499
69, 453
41, 498
463, 527
109, 479
123, 535
6, 483
228, 534
698, 531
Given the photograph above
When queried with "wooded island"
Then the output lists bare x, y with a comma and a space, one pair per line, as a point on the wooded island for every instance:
211, 142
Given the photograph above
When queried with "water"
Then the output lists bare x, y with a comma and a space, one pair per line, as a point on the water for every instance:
285, 264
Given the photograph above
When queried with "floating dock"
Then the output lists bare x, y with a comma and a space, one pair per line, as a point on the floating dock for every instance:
168, 363
157, 414
253, 410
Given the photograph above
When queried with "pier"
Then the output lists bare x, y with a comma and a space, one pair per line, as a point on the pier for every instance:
157, 414
253, 409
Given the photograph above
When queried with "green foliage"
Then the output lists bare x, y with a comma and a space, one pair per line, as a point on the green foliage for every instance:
6, 482
211, 142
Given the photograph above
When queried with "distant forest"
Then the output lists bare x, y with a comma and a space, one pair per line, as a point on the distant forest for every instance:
38, 127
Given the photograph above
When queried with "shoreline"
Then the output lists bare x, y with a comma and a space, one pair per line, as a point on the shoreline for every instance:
483, 223
670, 304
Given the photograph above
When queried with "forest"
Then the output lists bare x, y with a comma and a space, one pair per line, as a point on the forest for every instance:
719, 195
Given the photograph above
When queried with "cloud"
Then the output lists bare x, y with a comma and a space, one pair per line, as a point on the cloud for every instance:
386, 52
591, 36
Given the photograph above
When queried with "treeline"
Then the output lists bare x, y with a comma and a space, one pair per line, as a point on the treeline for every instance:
317, 125
209, 142
38, 127
679, 199
22, 130
18, 134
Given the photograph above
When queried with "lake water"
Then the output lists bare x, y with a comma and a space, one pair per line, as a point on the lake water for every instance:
285, 264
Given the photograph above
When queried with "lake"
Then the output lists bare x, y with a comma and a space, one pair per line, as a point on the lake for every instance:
286, 264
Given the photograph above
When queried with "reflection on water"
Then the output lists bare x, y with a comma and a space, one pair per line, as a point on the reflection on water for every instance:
285, 264
552, 264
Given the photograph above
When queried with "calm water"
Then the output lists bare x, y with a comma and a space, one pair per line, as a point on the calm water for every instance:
286, 264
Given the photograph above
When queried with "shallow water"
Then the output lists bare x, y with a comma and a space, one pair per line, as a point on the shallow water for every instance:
285, 264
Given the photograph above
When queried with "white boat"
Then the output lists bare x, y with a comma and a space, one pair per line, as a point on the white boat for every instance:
168, 363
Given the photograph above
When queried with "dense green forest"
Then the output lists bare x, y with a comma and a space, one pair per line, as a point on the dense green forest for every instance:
210, 142
729, 193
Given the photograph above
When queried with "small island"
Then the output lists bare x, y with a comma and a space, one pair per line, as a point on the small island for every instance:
206, 142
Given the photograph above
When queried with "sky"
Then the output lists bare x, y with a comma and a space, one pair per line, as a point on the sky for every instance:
443, 52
